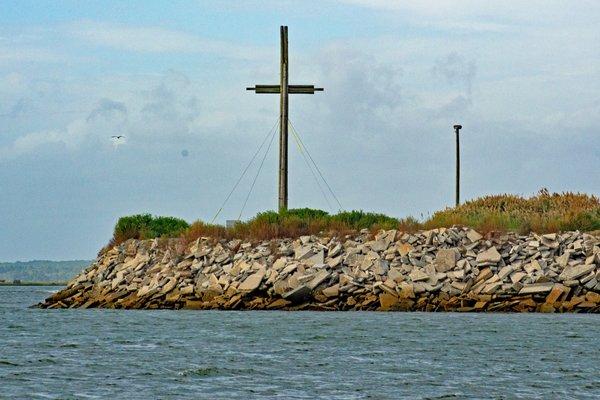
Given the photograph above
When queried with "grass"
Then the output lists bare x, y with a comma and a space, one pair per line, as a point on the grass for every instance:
294, 223
542, 213
146, 226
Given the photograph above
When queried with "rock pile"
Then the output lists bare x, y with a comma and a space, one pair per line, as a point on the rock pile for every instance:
438, 270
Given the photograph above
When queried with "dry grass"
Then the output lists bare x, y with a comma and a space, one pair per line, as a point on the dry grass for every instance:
542, 213
293, 223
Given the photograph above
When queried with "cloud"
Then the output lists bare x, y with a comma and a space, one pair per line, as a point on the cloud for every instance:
168, 109
455, 108
23, 54
150, 39
464, 8
106, 119
456, 70
492, 16
108, 109
439, 9
449, 14
68, 138
165, 109
19, 108
359, 89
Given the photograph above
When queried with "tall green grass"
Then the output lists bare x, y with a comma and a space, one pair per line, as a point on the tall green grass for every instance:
146, 226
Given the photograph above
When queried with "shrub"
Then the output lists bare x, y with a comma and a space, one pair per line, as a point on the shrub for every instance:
544, 212
298, 222
541, 213
145, 226
360, 220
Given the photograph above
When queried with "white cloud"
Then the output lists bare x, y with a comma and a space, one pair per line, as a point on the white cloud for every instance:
23, 54
455, 69
162, 109
70, 137
151, 39
484, 16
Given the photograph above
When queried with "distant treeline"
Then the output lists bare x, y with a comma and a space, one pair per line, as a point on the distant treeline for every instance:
41, 270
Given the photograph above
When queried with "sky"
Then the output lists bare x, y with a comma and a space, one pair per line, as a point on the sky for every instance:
523, 79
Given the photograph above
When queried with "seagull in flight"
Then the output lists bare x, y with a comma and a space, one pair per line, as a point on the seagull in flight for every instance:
118, 137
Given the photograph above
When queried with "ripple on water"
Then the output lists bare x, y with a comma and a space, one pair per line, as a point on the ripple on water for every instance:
69, 345
309, 355
208, 371
201, 371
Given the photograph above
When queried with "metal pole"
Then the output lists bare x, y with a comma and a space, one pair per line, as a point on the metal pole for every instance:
457, 129
283, 123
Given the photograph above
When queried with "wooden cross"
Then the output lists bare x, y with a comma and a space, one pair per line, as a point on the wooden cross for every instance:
283, 89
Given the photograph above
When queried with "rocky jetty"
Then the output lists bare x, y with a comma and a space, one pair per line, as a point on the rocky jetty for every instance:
453, 269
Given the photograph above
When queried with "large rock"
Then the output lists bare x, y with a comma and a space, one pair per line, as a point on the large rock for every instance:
555, 294
504, 272
303, 253
592, 297
299, 295
381, 267
379, 245
404, 249
535, 288
473, 235
395, 275
319, 278
332, 291
571, 273
388, 301
407, 291
252, 282
484, 275
491, 255
317, 258
335, 251
445, 259
417, 275
170, 285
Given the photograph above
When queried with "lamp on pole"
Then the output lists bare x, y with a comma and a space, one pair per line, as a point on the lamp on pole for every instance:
457, 129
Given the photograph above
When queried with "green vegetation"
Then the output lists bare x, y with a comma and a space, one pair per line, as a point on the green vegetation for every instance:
41, 270
544, 212
541, 213
297, 222
146, 226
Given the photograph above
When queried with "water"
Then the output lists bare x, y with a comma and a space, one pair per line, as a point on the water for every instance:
78, 354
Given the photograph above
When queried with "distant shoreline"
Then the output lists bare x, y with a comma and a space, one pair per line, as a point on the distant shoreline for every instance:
40, 272
33, 283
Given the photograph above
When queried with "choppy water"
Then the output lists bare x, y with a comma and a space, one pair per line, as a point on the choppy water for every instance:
72, 354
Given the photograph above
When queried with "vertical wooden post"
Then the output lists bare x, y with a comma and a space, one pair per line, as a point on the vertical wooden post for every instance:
457, 130
283, 123
284, 90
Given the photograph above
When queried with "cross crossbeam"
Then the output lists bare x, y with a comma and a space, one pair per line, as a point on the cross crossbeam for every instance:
292, 89
284, 90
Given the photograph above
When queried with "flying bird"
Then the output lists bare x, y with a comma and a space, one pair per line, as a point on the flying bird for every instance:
118, 137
